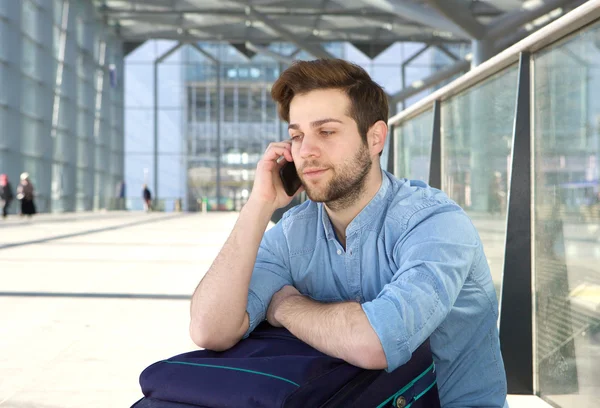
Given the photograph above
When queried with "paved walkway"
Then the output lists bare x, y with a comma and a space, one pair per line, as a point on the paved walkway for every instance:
87, 301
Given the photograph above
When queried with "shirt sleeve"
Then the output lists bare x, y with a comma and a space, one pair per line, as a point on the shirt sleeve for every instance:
271, 273
434, 259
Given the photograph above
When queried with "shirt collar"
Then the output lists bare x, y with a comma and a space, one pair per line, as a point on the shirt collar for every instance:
373, 208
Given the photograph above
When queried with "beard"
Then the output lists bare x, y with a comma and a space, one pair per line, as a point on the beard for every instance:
347, 183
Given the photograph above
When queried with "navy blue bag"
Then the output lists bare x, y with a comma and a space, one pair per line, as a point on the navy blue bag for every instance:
272, 368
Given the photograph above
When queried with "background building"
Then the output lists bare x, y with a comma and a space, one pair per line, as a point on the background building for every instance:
61, 103
189, 121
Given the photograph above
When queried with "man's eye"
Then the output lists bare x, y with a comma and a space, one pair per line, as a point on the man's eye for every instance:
295, 137
327, 133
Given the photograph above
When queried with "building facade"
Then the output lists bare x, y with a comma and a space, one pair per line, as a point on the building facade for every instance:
61, 104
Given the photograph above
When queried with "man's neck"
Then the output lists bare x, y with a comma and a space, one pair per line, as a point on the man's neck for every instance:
340, 219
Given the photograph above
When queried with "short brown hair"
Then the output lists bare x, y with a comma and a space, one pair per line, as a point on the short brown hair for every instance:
368, 101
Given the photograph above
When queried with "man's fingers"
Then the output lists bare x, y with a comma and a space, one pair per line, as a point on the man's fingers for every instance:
276, 150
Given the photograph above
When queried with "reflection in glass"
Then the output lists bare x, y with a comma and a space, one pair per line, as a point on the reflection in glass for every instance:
567, 221
477, 127
413, 147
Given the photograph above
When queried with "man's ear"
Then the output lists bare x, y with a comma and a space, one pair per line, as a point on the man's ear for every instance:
376, 137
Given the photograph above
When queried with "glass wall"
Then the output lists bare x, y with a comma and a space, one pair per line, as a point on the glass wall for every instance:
61, 103
477, 127
567, 220
203, 101
413, 149
219, 95
476, 139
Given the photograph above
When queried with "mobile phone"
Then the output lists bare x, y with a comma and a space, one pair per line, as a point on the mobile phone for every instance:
289, 178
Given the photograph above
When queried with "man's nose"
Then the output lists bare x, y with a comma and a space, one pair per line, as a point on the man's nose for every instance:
309, 147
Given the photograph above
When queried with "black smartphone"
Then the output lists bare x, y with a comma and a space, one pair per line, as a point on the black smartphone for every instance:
289, 178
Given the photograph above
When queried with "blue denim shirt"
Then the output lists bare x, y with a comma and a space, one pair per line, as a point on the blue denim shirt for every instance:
415, 262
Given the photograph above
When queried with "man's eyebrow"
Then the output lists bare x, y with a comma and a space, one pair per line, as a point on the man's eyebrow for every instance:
314, 124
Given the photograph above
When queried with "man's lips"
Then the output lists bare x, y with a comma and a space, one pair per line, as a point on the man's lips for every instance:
313, 172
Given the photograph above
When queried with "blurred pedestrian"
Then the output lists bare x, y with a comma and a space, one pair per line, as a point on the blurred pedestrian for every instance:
120, 195
6, 194
147, 195
26, 194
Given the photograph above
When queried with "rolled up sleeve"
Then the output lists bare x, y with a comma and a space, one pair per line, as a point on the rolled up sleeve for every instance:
271, 273
434, 257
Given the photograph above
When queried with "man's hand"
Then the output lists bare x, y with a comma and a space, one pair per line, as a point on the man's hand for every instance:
277, 300
268, 187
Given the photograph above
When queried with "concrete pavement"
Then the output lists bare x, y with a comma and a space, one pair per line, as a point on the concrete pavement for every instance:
88, 301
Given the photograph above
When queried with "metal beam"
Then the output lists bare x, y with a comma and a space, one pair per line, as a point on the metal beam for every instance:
361, 13
416, 12
129, 47
203, 52
314, 49
434, 79
168, 53
265, 51
334, 36
446, 51
459, 13
391, 153
509, 22
416, 55
435, 163
516, 335
482, 51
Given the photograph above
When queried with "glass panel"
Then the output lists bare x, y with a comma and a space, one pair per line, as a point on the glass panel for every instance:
170, 134
85, 124
170, 85
58, 11
4, 143
29, 57
477, 127
31, 141
139, 86
567, 221
29, 18
413, 147
4, 79
139, 131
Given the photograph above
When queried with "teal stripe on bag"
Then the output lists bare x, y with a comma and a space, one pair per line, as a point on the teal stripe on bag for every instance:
410, 384
423, 393
233, 369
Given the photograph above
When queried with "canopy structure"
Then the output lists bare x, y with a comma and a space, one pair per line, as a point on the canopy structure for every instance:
371, 25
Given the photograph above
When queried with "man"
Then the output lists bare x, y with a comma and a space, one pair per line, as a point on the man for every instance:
367, 269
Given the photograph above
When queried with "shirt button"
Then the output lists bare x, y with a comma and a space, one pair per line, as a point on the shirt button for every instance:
339, 251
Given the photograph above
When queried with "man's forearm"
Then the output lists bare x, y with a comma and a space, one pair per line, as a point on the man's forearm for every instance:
218, 308
340, 330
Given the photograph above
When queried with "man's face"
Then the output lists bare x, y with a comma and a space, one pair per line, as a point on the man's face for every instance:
331, 158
